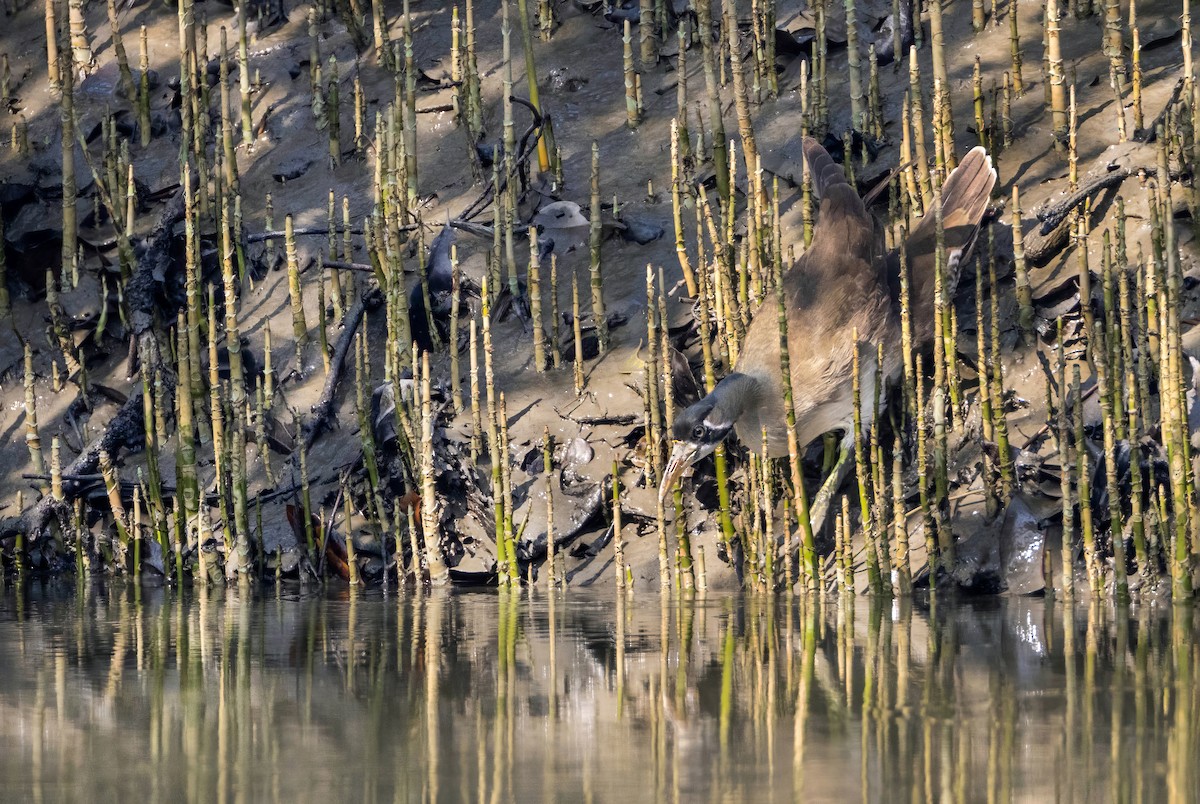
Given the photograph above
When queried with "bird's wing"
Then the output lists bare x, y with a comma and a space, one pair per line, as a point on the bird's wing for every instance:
965, 198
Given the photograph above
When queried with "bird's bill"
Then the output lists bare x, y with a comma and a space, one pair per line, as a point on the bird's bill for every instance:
683, 455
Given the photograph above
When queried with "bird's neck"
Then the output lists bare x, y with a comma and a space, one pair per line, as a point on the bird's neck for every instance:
738, 392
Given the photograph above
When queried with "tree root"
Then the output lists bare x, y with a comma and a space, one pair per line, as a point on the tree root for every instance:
322, 411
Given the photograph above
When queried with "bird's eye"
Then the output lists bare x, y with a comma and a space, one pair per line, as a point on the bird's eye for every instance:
698, 432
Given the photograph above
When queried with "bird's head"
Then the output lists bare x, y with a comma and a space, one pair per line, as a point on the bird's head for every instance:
697, 432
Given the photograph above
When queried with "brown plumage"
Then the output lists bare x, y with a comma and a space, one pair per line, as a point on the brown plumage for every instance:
843, 282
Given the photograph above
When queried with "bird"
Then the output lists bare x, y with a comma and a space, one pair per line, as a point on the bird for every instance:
841, 284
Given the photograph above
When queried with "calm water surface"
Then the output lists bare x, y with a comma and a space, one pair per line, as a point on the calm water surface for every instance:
146, 695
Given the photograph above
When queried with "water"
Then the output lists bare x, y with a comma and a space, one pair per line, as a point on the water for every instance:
146, 695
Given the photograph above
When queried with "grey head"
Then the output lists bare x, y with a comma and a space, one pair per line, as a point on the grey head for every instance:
703, 426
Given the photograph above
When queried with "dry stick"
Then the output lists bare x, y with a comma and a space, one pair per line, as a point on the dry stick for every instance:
351, 558
847, 558
69, 269
143, 92
1023, 290
1114, 34
937, 45
1056, 77
874, 98
360, 122
683, 142
618, 547
52, 46
1139, 120
646, 20
81, 47
1117, 83
1104, 380
379, 25
553, 334
498, 456
534, 281
335, 279
295, 293
977, 99
767, 548
996, 389
230, 158
599, 318
577, 332
216, 412
920, 153
1131, 411
983, 365
33, 440
476, 421
677, 208
632, 111
112, 488
1113, 45
118, 46
900, 520
1083, 479
237, 400
939, 401
260, 433
821, 73
548, 469
741, 98
185, 433
244, 75
720, 154
439, 575
880, 482
654, 434
20, 136
333, 114
1006, 119
362, 376
863, 470
839, 549
912, 192
1110, 331
920, 432
506, 485
1062, 445
322, 328
410, 107
808, 555
1181, 559
455, 302
474, 103
1014, 40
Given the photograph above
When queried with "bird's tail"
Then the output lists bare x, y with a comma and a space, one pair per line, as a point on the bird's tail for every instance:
965, 198
837, 196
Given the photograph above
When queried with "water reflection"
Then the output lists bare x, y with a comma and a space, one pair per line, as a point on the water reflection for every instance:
147, 695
